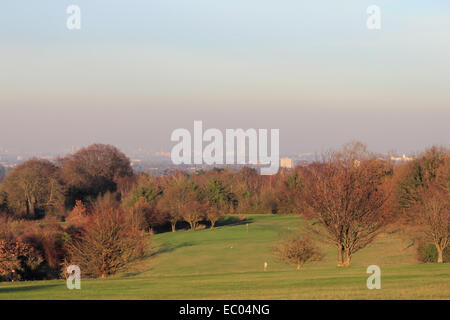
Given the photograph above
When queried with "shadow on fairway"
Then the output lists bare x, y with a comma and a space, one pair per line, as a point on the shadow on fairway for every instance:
168, 248
233, 221
27, 288
165, 248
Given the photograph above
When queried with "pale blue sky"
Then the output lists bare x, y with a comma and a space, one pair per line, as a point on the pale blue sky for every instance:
139, 69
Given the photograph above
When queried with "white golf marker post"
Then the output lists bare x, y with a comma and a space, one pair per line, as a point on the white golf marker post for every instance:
374, 281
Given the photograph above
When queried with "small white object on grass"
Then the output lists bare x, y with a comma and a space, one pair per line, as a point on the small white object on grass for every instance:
265, 266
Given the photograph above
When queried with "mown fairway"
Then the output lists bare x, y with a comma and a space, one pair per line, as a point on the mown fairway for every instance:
227, 263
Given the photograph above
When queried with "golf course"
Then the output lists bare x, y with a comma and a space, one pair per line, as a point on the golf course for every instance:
227, 262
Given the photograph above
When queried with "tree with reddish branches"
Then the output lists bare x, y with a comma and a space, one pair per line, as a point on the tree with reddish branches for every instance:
348, 193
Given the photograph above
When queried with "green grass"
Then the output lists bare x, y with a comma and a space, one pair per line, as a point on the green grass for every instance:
227, 263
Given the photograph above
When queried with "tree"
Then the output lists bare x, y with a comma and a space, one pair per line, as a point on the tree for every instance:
109, 243
215, 211
220, 200
423, 193
217, 192
289, 191
247, 186
17, 258
2, 173
298, 250
3, 200
417, 175
193, 212
433, 214
349, 198
34, 187
93, 171
78, 216
148, 215
146, 189
178, 195
443, 173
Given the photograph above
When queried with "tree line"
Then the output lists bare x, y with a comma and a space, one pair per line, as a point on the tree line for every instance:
73, 209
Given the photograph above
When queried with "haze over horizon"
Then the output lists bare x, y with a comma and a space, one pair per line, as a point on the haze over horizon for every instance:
138, 70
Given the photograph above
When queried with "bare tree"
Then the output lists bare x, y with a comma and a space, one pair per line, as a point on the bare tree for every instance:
349, 199
433, 214
109, 242
215, 211
78, 216
193, 212
178, 194
148, 214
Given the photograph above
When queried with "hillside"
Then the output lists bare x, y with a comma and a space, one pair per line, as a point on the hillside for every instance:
227, 263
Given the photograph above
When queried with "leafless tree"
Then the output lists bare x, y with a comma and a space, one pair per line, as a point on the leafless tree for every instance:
349, 197
178, 195
215, 211
433, 213
109, 242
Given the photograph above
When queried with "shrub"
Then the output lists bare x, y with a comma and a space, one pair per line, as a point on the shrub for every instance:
78, 216
37, 245
297, 250
109, 242
18, 260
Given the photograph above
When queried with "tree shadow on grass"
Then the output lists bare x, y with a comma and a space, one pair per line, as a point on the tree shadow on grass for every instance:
167, 248
27, 288
157, 251
233, 221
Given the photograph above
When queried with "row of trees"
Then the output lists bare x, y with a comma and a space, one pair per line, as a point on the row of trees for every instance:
423, 196
101, 240
350, 195
354, 197
38, 187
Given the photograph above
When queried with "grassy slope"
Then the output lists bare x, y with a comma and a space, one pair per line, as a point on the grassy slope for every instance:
227, 263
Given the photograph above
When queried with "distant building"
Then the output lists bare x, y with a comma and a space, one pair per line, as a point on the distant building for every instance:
287, 163
135, 161
402, 158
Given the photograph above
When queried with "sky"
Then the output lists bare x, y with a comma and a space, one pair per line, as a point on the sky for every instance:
137, 70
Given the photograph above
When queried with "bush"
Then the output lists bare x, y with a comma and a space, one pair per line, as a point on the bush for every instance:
78, 216
34, 248
18, 260
108, 243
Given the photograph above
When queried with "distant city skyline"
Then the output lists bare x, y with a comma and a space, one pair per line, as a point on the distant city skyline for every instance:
138, 70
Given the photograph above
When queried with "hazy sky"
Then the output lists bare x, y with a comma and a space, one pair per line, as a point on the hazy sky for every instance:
137, 70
